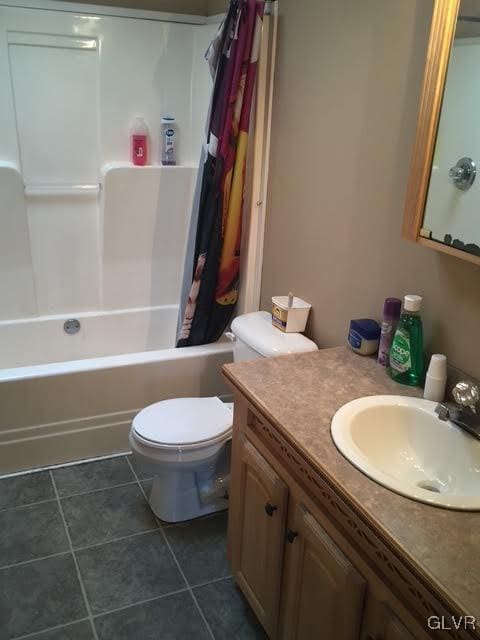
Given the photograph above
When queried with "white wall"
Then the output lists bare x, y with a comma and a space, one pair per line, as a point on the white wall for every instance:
71, 85
450, 210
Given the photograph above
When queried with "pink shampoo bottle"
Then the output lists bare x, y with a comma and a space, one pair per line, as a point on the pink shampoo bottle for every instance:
139, 142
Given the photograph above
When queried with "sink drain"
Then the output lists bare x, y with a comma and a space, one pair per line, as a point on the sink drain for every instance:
429, 485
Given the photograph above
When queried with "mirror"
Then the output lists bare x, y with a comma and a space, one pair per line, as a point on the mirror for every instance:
443, 198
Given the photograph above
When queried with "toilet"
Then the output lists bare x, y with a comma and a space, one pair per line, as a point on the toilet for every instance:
184, 443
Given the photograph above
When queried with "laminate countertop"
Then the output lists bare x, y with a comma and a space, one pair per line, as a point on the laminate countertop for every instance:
299, 395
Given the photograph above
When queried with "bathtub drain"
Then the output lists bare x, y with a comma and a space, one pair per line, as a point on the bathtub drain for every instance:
71, 326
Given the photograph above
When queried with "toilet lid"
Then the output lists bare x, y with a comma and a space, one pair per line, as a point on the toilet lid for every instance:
183, 421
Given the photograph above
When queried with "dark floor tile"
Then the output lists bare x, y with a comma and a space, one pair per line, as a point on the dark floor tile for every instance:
171, 618
201, 548
147, 487
128, 571
77, 631
92, 475
31, 532
25, 489
39, 595
227, 612
106, 515
141, 472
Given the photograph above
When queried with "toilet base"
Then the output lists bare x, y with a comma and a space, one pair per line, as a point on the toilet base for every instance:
175, 497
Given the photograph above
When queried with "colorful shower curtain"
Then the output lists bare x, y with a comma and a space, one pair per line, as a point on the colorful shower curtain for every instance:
211, 276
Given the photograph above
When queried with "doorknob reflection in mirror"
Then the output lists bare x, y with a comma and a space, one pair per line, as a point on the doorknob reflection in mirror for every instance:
463, 173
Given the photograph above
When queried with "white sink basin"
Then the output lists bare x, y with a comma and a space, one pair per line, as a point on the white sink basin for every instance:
402, 444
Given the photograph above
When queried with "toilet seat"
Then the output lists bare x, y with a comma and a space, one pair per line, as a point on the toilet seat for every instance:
183, 423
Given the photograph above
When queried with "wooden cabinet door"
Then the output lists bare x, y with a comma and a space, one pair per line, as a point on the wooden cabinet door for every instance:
395, 630
381, 623
256, 531
323, 592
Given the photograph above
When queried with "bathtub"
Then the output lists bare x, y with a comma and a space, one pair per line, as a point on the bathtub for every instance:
69, 396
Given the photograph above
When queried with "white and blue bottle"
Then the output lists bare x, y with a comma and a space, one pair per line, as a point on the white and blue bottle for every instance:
168, 141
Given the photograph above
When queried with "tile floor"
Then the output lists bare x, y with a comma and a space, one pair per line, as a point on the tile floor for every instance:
83, 558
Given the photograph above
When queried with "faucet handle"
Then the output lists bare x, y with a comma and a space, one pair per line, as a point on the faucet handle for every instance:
466, 394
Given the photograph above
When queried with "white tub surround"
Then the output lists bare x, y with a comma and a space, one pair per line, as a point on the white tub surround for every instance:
65, 119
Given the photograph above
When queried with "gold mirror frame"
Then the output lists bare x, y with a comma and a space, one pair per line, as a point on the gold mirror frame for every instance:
442, 33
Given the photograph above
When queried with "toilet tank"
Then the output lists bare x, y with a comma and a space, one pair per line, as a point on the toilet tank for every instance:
256, 337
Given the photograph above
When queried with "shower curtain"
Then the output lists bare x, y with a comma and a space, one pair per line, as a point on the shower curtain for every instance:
212, 265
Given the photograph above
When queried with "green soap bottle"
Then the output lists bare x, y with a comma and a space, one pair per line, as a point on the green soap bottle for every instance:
406, 353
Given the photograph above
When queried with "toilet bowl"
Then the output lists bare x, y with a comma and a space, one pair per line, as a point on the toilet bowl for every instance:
184, 443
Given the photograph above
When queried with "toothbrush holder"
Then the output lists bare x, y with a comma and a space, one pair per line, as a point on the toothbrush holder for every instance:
291, 319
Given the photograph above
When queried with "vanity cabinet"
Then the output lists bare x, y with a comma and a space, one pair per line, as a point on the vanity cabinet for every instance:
307, 565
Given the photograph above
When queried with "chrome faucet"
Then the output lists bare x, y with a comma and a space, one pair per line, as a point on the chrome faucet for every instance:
464, 412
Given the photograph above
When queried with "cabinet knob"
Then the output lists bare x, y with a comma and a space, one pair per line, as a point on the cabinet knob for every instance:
270, 508
291, 535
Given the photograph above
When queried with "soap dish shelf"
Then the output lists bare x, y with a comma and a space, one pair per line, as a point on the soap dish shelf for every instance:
45, 189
